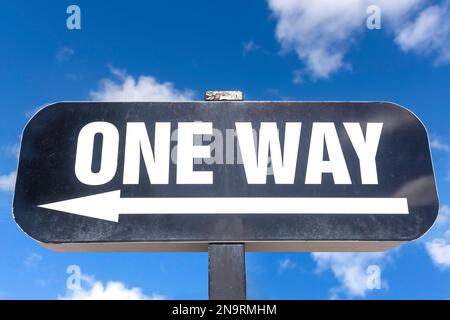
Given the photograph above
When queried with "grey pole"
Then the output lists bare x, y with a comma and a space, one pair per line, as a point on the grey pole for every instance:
226, 271
226, 261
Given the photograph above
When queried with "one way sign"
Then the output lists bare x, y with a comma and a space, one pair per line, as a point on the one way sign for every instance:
175, 176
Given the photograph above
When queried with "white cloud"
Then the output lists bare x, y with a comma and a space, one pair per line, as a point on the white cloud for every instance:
439, 250
444, 214
12, 150
113, 290
442, 146
321, 32
143, 88
286, 264
7, 181
429, 33
439, 145
64, 54
298, 76
350, 269
249, 46
40, 282
33, 260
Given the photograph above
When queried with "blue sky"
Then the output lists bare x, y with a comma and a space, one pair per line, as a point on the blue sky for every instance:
275, 50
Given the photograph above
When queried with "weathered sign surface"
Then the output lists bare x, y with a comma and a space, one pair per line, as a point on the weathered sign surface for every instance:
166, 176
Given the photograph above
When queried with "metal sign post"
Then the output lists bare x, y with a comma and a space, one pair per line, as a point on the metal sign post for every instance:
226, 262
226, 271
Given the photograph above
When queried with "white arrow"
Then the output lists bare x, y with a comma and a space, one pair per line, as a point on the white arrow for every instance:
108, 206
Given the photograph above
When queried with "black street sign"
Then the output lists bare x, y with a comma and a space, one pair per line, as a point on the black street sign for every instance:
175, 176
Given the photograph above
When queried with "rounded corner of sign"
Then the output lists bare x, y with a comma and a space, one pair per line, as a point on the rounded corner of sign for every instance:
48, 106
25, 230
52, 246
398, 106
17, 222
56, 247
427, 228
406, 110
43, 109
